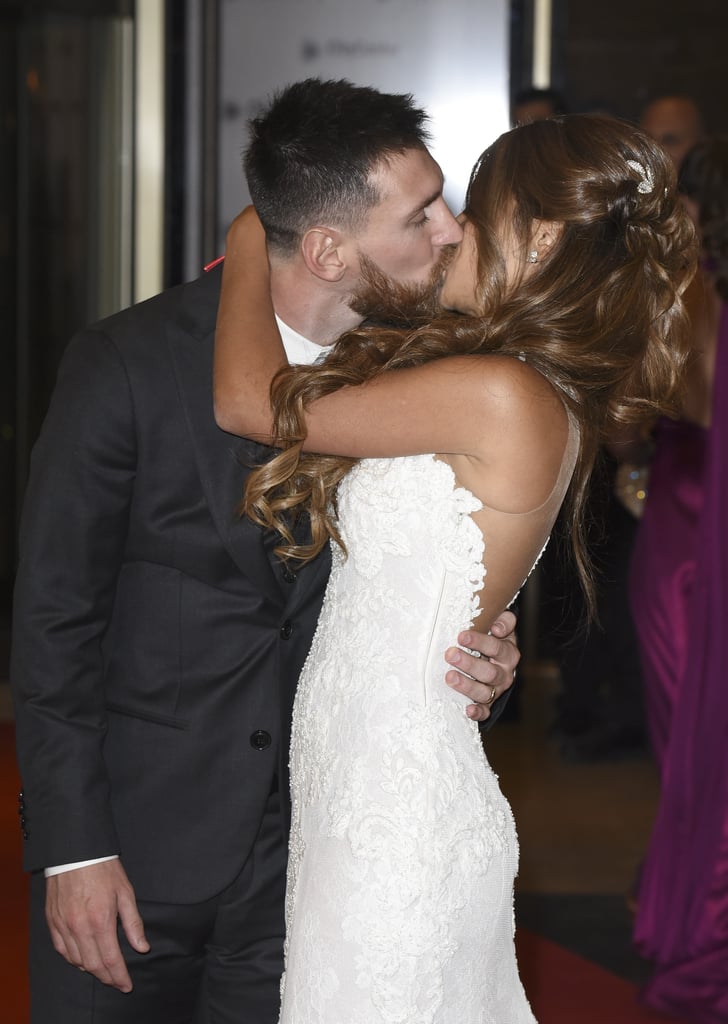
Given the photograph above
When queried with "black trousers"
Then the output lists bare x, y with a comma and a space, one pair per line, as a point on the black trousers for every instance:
216, 962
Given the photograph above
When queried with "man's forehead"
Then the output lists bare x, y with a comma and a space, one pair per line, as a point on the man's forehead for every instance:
412, 176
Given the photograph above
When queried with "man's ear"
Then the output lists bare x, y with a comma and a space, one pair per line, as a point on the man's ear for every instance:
322, 250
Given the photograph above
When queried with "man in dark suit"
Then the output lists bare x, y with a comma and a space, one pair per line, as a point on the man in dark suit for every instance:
157, 640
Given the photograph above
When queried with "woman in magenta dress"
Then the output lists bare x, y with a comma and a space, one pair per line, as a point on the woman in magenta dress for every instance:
679, 594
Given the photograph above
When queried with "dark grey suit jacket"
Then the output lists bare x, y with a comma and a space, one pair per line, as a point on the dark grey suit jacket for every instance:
157, 643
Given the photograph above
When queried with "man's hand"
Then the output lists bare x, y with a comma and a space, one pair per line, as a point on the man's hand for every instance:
82, 906
493, 667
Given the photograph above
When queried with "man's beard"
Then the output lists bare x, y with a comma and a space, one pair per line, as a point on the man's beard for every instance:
401, 304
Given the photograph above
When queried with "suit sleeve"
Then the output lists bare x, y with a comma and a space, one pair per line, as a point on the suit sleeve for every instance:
497, 709
72, 540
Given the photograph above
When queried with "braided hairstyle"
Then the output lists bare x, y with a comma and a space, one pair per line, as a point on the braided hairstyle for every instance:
601, 316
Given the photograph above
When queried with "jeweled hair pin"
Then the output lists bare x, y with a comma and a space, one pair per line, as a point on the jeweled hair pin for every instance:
646, 184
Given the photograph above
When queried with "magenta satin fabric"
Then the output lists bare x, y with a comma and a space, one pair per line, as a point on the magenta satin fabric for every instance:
679, 596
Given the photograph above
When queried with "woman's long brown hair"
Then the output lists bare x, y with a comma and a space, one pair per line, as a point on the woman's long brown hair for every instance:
602, 317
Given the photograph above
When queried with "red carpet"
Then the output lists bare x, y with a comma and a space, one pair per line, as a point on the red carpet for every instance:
566, 989
562, 988
14, 931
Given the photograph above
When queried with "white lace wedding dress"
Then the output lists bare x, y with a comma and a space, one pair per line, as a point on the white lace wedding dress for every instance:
403, 849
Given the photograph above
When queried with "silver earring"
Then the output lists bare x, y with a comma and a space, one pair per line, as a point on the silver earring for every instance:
533, 256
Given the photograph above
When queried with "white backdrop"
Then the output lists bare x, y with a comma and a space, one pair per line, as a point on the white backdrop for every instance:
452, 55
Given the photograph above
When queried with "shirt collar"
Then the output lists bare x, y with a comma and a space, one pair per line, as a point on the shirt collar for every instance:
299, 350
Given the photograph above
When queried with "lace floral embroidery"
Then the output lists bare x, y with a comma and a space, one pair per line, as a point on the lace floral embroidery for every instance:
402, 848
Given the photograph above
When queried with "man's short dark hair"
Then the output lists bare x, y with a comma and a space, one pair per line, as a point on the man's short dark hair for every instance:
312, 151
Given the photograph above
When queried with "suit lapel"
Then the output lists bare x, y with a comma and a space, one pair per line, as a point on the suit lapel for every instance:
223, 460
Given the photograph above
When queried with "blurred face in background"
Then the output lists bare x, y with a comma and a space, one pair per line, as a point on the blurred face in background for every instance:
533, 110
675, 123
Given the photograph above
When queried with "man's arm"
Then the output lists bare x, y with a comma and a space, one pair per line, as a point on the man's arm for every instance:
72, 540
82, 907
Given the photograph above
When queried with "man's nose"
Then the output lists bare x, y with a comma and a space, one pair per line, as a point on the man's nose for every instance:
451, 232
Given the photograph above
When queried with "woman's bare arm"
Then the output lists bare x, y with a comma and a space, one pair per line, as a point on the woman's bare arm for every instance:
248, 347
403, 413
460, 406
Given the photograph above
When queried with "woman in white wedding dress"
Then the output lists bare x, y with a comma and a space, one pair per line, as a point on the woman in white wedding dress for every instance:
567, 283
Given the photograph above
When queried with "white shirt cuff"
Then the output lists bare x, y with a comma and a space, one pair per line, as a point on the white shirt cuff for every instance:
61, 868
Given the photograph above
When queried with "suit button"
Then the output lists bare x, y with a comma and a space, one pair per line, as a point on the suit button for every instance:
288, 575
286, 629
26, 835
260, 739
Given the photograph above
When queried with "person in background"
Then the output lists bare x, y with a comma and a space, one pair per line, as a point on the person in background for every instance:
598, 712
157, 640
598, 709
534, 104
679, 596
674, 121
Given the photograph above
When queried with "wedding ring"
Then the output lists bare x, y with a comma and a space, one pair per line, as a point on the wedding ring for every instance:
493, 694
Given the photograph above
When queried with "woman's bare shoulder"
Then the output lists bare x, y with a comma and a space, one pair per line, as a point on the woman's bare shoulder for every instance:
514, 389
522, 429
